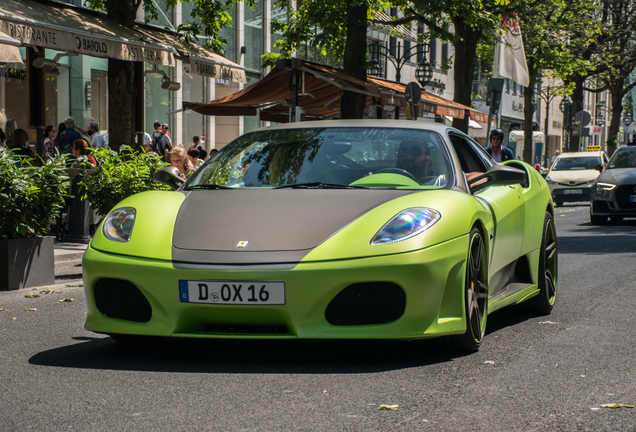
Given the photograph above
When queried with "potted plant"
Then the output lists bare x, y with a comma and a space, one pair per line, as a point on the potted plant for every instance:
120, 175
30, 196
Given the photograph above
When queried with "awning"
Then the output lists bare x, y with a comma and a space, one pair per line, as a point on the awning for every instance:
68, 28
202, 62
9, 51
320, 91
429, 102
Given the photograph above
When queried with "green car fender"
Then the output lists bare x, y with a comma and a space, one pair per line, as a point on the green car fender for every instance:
459, 212
156, 212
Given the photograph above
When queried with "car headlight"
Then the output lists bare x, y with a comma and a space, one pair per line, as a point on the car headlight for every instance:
406, 224
119, 224
549, 180
602, 187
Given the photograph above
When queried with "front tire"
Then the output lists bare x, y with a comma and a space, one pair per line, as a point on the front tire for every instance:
475, 295
596, 220
548, 266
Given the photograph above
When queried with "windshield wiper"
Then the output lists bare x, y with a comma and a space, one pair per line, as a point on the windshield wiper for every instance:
319, 185
207, 186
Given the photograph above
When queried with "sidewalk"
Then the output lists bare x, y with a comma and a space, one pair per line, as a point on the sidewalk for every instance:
68, 259
65, 251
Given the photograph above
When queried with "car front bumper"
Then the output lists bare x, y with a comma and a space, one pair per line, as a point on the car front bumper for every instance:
432, 280
567, 194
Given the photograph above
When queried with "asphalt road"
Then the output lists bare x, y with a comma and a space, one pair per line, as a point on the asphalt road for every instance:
550, 373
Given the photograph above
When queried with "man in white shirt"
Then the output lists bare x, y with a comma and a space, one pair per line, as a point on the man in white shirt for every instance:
97, 141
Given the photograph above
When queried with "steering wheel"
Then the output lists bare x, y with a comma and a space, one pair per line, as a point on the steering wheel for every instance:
405, 173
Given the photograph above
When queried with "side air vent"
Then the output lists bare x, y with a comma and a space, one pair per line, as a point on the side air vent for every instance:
116, 298
367, 303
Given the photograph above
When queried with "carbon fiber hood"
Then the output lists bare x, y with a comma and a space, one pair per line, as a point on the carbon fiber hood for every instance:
269, 220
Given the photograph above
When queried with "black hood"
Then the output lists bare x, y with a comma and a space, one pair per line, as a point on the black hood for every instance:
618, 176
278, 225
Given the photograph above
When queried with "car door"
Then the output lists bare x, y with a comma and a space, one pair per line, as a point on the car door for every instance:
506, 206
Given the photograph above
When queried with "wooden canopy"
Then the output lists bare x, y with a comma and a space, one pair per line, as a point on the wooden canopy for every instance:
320, 90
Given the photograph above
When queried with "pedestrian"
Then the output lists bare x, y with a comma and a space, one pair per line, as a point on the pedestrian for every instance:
178, 159
193, 157
10, 127
166, 129
60, 128
212, 153
97, 141
19, 144
556, 155
81, 152
70, 134
161, 142
49, 143
3, 137
498, 152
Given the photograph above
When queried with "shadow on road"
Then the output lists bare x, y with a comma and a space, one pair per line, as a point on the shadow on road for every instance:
260, 356
247, 356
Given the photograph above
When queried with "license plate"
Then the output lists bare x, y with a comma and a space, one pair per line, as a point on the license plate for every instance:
232, 292
572, 191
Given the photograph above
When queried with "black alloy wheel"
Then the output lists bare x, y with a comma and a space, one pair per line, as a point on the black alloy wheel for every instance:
475, 295
543, 302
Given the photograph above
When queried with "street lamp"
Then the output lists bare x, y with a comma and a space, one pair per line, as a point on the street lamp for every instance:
566, 108
423, 72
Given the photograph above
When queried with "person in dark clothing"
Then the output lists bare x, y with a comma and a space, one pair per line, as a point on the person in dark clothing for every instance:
498, 152
66, 138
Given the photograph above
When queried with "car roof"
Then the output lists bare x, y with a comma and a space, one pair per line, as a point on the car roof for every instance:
581, 154
375, 123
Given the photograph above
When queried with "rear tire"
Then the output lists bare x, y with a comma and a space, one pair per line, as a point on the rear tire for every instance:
475, 296
543, 303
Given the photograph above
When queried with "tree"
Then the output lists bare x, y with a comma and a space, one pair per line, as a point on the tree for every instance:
544, 27
207, 18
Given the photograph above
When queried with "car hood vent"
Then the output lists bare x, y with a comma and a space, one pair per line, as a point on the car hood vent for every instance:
267, 220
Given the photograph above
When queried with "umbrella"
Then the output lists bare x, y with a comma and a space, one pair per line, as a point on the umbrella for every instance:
9, 51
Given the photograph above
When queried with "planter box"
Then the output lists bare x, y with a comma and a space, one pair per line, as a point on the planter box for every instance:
25, 263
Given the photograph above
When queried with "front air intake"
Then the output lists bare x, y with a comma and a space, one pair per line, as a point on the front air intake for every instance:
367, 303
116, 298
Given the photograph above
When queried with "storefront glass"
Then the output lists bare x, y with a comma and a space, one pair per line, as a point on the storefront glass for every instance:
193, 87
252, 122
158, 100
254, 36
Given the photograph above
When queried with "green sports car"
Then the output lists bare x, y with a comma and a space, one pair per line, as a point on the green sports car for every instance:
333, 229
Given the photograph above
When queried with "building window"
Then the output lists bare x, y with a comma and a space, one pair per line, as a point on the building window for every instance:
433, 52
254, 36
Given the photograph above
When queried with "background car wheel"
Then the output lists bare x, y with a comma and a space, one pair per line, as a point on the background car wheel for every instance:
475, 296
597, 220
548, 267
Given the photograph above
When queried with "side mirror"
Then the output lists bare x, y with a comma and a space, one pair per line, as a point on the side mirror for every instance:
598, 167
170, 177
498, 175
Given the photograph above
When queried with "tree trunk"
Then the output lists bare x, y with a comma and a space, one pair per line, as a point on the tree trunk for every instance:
465, 45
615, 123
577, 100
121, 88
353, 104
121, 103
528, 111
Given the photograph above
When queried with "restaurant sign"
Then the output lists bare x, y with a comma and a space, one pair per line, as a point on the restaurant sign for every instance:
217, 70
89, 44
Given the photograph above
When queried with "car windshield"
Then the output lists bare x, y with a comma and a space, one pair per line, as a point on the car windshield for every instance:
343, 157
623, 158
576, 163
